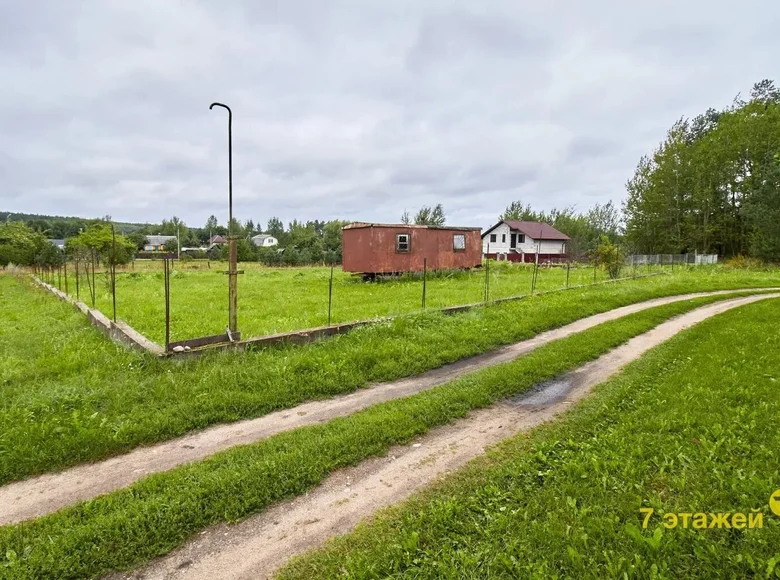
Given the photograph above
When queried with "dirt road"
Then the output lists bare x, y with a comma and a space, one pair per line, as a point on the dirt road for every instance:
259, 546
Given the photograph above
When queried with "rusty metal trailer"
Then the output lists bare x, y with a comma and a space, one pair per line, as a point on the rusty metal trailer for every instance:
379, 249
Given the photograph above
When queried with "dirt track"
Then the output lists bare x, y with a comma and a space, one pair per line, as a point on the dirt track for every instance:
48, 493
259, 546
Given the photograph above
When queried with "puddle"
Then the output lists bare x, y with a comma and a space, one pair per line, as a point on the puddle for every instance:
545, 393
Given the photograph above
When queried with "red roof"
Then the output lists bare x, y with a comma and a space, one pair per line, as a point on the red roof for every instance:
534, 230
357, 225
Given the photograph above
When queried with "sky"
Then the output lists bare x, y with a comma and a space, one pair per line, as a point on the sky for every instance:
355, 109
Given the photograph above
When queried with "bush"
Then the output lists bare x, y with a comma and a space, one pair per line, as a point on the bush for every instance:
610, 257
743, 262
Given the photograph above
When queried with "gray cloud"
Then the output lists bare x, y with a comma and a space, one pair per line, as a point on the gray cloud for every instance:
354, 109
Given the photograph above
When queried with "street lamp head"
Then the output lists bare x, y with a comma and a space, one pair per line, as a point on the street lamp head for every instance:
212, 105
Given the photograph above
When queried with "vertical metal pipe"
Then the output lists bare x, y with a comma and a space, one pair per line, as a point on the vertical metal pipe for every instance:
65, 266
113, 268
233, 286
167, 287
330, 294
233, 266
86, 272
94, 289
425, 279
77, 278
568, 268
594, 270
487, 273
487, 280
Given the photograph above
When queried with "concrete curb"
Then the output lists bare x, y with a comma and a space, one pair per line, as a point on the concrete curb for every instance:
123, 333
118, 331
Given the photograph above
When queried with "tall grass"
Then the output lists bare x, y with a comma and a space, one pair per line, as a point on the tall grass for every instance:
690, 428
282, 299
151, 517
68, 396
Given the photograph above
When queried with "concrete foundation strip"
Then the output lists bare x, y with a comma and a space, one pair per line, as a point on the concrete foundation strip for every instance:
48, 493
124, 334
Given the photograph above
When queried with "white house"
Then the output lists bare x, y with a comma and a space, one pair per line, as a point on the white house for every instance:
518, 241
264, 241
157, 243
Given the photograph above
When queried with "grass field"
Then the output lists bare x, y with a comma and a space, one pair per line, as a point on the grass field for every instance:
68, 396
151, 517
689, 428
282, 299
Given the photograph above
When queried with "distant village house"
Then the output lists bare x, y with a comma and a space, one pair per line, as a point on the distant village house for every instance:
520, 241
217, 241
157, 243
264, 241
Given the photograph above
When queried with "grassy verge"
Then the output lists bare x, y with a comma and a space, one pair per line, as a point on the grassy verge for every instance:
68, 396
691, 427
130, 526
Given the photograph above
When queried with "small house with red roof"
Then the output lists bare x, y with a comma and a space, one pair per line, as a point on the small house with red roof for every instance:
521, 241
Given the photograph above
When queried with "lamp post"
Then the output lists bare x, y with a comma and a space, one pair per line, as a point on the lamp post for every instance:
233, 259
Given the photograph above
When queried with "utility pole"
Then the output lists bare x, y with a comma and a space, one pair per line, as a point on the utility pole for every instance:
232, 272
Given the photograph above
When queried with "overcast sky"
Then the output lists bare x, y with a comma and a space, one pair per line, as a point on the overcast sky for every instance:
355, 109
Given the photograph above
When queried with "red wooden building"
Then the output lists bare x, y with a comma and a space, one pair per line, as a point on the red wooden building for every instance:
371, 249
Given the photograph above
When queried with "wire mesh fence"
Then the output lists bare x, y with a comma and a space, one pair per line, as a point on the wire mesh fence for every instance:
682, 259
172, 301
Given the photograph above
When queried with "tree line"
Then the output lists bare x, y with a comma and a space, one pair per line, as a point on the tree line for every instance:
22, 245
713, 184
25, 242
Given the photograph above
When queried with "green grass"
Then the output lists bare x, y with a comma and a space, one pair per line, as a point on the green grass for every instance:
282, 299
691, 427
151, 517
68, 396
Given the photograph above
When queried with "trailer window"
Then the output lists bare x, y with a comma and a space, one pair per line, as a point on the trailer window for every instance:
459, 242
402, 242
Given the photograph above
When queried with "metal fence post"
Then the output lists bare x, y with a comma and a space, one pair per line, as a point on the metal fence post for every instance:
330, 294
568, 269
66, 276
425, 276
93, 289
112, 265
487, 279
167, 293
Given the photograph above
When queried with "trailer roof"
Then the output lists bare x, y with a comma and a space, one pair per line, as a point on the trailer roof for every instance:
358, 225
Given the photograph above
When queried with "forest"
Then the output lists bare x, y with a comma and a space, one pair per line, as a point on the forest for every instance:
713, 184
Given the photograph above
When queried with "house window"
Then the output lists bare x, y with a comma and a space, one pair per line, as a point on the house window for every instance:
521, 239
459, 242
492, 238
503, 238
402, 243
